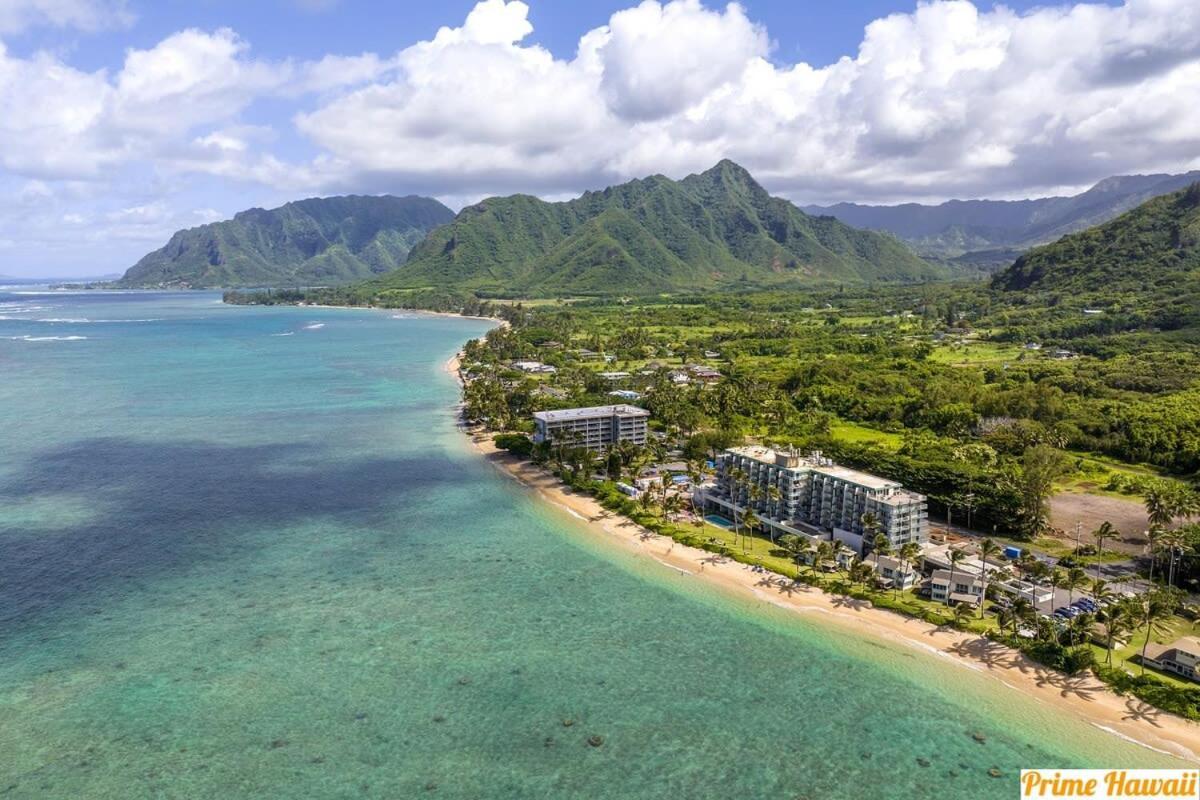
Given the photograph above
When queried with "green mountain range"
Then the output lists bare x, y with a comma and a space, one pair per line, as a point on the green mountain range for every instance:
1155, 246
716, 229
316, 242
996, 231
1141, 271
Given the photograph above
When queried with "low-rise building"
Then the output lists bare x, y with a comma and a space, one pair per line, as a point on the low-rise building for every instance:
1181, 657
614, 376
957, 587
595, 428
815, 497
1024, 590
893, 572
705, 373
625, 394
534, 367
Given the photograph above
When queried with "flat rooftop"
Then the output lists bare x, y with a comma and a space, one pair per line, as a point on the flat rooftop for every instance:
856, 477
766, 455
592, 411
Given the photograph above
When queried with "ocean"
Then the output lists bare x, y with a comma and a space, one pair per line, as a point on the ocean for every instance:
245, 553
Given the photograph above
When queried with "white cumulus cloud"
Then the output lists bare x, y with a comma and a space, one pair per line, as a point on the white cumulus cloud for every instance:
942, 101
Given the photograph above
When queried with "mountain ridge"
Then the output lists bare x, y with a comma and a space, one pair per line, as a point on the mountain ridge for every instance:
1156, 245
715, 228
315, 241
964, 227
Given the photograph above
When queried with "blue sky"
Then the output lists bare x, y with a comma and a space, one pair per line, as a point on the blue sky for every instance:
123, 120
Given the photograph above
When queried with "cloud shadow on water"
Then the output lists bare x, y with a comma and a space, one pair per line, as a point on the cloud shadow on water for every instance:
163, 507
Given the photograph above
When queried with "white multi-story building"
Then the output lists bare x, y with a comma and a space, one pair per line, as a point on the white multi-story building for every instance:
814, 497
594, 428
956, 587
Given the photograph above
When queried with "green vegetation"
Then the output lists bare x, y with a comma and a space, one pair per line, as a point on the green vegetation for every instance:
719, 228
990, 439
318, 242
1140, 270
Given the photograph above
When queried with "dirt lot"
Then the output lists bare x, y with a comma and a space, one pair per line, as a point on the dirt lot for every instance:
1127, 516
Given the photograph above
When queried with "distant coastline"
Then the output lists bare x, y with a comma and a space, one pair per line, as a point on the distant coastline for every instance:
1082, 696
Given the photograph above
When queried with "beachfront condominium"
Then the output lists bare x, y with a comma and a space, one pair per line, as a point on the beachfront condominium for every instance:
594, 428
814, 497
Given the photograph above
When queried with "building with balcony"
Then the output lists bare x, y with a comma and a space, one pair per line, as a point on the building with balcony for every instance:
594, 428
957, 587
812, 496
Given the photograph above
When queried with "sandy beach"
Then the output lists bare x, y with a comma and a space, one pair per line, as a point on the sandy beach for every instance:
1082, 696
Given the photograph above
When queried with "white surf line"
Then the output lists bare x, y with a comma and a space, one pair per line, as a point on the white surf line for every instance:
668, 565
1181, 751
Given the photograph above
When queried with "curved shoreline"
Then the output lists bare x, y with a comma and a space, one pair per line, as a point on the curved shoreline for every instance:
1084, 697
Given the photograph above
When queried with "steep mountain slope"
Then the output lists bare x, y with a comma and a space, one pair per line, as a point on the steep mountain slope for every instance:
959, 227
718, 228
1155, 247
321, 241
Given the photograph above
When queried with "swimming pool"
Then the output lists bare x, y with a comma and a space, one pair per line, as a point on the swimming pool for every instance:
719, 521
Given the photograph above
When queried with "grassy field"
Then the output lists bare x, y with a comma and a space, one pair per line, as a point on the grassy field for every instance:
1175, 628
854, 433
976, 353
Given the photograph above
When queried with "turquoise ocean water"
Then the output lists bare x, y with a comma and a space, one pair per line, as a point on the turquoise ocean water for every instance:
244, 553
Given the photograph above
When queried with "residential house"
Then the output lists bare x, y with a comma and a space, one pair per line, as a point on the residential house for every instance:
959, 587
1181, 657
892, 572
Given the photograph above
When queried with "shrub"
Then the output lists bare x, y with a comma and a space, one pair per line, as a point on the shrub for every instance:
1064, 659
1175, 699
515, 443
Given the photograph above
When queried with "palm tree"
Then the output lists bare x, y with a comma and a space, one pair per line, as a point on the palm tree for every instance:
647, 499
773, 496
870, 526
962, 615
823, 555
1075, 579
882, 546
737, 478
955, 556
1119, 619
749, 521
909, 553
1100, 591
859, 571
797, 546
1162, 501
1174, 542
987, 549
1057, 580
1106, 531
672, 503
1082, 623
1023, 611
1154, 535
1154, 613
755, 493
1006, 617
